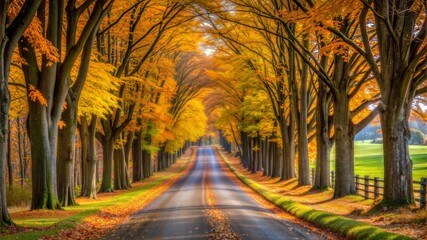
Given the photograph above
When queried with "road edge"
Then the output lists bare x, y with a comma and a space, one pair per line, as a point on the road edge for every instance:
346, 227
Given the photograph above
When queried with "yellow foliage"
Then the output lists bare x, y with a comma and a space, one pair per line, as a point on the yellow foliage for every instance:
189, 126
98, 96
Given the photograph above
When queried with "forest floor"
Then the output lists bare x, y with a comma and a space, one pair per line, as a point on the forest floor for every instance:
93, 217
404, 221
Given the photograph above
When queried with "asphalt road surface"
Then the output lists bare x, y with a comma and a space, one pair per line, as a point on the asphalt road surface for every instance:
180, 212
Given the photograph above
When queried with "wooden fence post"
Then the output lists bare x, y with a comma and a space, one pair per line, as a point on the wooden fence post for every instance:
366, 187
357, 184
376, 187
423, 183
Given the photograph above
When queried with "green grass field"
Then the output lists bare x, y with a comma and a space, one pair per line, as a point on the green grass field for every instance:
368, 160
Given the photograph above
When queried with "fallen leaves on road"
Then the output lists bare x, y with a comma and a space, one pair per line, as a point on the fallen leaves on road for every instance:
219, 222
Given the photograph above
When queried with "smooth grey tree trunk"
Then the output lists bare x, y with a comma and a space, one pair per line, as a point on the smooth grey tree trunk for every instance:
65, 155
87, 134
322, 174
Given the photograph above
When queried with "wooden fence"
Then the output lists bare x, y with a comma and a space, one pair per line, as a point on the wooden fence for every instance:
372, 188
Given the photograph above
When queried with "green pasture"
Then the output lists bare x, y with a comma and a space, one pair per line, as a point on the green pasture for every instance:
368, 160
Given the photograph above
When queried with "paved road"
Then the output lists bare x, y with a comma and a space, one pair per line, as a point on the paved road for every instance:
179, 213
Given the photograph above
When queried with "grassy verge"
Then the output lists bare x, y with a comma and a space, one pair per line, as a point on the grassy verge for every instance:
33, 224
345, 226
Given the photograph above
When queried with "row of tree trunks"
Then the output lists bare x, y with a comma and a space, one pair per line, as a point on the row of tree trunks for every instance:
142, 160
164, 159
224, 142
261, 154
121, 178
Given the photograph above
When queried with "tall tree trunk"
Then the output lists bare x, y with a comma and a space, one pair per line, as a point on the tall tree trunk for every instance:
137, 158
148, 163
344, 147
266, 157
322, 175
322, 178
9, 157
10, 33
21, 161
271, 158
254, 153
107, 163
301, 116
43, 159
121, 179
288, 150
4, 132
89, 185
26, 159
66, 138
244, 157
4, 113
65, 154
84, 139
399, 71
128, 146
147, 158
259, 153
161, 159
398, 187
77, 163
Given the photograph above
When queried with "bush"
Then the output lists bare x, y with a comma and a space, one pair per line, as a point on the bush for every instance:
417, 137
377, 140
77, 190
18, 196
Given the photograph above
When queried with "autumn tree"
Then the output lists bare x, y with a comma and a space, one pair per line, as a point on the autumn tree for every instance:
97, 101
277, 78
14, 20
399, 35
350, 74
190, 79
48, 79
148, 24
402, 33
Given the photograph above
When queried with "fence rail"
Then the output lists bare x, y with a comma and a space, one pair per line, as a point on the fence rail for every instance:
372, 188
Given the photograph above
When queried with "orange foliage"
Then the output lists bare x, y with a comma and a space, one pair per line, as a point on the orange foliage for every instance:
35, 95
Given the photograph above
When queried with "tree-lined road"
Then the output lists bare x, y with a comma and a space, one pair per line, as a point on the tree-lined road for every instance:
181, 211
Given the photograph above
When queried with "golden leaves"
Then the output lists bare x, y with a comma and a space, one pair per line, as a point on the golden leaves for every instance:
35, 95
61, 124
219, 222
34, 35
337, 47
